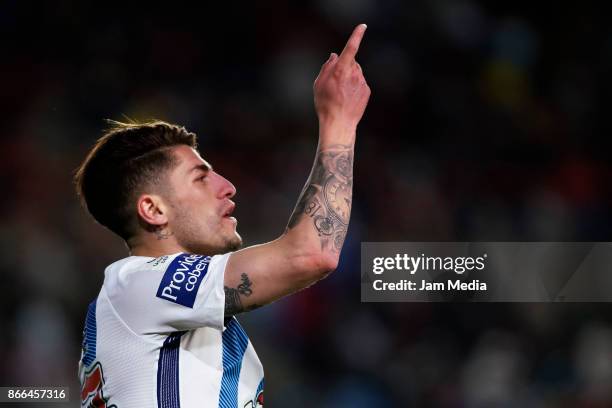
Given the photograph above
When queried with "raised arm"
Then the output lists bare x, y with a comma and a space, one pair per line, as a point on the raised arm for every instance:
309, 248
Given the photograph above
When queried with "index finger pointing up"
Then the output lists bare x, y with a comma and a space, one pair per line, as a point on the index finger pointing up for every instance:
352, 45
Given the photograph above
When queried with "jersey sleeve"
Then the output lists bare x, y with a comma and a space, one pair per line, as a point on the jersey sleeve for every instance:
170, 293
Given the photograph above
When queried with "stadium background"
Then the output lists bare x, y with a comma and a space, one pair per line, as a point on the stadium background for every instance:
486, 122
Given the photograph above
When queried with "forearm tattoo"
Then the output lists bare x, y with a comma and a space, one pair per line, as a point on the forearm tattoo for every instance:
233, 302
327, 196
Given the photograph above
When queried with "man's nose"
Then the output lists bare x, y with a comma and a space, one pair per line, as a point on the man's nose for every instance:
226, 188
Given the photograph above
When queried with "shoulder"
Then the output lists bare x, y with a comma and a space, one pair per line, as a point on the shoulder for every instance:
135, 266
172, 292
174, 277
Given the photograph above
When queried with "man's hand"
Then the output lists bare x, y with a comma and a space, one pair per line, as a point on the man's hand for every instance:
310, 247
340, 91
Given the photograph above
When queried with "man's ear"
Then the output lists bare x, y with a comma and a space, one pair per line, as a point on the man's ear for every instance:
152, 209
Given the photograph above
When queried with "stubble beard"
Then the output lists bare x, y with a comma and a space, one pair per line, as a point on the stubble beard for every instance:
209, 237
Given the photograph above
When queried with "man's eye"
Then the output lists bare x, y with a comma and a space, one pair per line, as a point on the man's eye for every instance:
201, 178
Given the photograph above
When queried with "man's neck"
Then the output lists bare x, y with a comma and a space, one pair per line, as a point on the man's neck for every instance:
154, 247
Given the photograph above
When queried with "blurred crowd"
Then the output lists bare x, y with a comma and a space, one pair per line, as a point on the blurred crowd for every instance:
487, 122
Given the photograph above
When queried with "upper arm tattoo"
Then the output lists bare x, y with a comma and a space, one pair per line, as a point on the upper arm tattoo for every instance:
327, 196
233, 301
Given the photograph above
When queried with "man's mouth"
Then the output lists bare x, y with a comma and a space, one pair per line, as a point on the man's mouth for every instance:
229, 210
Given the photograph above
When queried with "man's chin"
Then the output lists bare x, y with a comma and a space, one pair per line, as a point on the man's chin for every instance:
234, 244
229, 243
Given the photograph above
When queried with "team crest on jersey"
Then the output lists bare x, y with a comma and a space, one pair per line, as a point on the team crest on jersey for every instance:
257, 402
182, 279
92, 395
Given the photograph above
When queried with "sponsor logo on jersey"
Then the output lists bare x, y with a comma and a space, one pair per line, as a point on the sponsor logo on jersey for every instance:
182, 279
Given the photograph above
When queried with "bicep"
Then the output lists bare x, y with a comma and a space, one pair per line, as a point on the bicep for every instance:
261, 274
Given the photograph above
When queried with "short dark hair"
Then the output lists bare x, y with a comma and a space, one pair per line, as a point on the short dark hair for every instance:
127, 159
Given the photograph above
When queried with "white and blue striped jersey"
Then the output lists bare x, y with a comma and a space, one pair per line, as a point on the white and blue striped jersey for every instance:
156, 337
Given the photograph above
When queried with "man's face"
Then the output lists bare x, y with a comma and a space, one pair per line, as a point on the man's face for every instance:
200, 206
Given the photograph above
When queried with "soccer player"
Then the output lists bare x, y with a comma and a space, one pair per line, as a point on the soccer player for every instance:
162, 331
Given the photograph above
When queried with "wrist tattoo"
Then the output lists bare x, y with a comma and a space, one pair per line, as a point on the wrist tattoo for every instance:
327, 196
